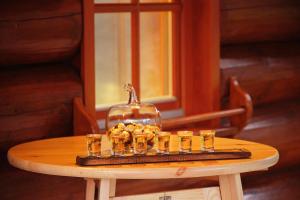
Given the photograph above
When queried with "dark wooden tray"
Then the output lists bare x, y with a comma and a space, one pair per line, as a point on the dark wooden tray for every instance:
219, 154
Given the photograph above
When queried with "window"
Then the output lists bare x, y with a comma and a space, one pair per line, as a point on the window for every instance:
113, 66
112, 57
141, 32
134, 43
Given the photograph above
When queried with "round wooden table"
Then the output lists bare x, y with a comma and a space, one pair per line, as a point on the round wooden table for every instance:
57, 157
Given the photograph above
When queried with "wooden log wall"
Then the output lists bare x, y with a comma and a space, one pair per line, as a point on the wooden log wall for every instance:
36, 102
259, 21
268, 71
261, 46
39, 31
38, 40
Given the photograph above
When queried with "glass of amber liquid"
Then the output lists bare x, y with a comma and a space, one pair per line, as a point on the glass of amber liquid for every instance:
185, 141
118, 144
208, 137
163, 142
93, 144
140, 143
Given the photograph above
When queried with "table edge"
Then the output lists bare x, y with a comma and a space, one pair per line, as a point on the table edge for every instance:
144, 173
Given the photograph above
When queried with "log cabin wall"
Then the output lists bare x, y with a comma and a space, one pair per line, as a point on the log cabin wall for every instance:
37, 79
260, 45
38, 41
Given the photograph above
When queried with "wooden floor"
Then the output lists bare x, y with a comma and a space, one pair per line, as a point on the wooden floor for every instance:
277, 124
273, 186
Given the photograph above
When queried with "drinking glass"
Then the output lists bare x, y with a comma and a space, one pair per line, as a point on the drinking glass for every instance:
118, 144
93, 144
185, 141
163, 142
139, 142
208, 139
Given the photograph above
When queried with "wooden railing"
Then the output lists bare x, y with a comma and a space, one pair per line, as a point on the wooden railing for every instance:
239, 112
171, 123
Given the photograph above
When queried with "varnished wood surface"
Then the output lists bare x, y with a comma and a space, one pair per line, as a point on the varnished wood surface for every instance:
281, 185
240, 112
219, 154
199, 71
180, 121
39, 31
83, 121
57, 157
208, 193
244, 21
239, 98
36, 102
88, 57
278, 125
37, 88
268, 72
31, 9
240, 4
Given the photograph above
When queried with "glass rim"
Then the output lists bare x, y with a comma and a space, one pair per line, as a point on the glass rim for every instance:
164, 133
205, 132
185, 133
94, 135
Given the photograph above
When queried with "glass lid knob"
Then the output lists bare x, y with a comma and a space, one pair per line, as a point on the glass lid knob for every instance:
132, 94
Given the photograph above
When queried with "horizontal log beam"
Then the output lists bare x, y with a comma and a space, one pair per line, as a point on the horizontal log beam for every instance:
244, 4
35, 88
276, 63
177, 122
34, 33
148, 7
259, 22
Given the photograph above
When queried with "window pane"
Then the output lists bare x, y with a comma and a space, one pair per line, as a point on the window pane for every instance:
112, 1
155, 1
112, 56
156, 54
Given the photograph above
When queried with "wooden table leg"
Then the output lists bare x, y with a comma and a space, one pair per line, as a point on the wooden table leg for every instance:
107, 189
231, 187
90, 189
112, 191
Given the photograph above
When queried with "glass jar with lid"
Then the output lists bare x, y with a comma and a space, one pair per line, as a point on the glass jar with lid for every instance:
124, 121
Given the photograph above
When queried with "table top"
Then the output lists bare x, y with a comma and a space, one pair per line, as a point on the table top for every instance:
57, 156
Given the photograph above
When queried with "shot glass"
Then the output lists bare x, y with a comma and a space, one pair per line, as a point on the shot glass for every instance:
185, 141
163, 142
208, 137
118, 144
93, 144
139, 143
